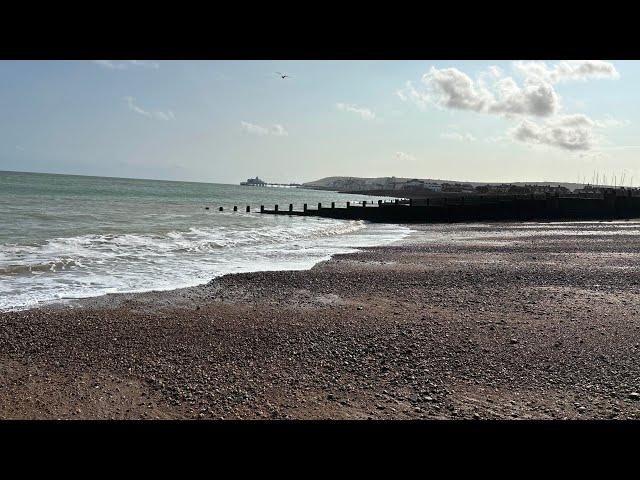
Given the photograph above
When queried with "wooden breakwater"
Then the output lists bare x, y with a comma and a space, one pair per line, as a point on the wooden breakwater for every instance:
613, 204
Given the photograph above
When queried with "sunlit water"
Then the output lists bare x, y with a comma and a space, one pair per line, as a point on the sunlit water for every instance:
65, 237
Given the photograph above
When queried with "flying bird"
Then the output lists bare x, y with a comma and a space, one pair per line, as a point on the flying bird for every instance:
282, 75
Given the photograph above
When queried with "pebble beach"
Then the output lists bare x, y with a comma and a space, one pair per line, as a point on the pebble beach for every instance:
475, 321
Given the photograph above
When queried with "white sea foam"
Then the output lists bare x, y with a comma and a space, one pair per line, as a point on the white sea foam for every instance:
69, 237
95, 264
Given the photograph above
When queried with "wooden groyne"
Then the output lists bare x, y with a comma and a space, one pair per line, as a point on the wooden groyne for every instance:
614, 204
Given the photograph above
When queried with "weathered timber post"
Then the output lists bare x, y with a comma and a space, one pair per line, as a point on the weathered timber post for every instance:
206, 208
291, 207
235, 208
319, 205
348, 204
379, 203
220, 209
248, 209
333, 205
396, 201
411, 202
261, 208
275, 208
364, 203
304, 207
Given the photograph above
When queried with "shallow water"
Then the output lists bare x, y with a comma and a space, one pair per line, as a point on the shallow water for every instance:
64, 237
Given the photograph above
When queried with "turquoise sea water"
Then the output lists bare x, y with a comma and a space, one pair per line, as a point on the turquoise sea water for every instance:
64, 236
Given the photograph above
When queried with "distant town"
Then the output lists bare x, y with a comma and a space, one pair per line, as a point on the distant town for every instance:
428, 187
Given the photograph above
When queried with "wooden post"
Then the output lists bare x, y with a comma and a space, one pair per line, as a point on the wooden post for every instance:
261, 208
348, 204
379, 202
319, 205
396, 201
276, 208
333, 204
248, 209
235, 208
364, 203
304, 207
291, 207
411, 202
206, 208
220, 209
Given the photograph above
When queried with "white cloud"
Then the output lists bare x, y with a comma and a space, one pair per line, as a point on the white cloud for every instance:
580, 70
459, 137
123, 65
568, 132
403, 157
451, 88
276, 130
365, 113
158, 115
410, 94
494, 93
534, 98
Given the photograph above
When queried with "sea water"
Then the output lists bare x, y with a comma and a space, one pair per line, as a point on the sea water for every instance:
65, 236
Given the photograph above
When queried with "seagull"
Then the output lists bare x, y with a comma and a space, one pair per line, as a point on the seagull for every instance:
283, 75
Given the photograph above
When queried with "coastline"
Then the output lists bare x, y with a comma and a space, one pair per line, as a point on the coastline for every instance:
537, 326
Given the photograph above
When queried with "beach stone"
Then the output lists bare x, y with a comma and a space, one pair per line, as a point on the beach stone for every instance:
634, 396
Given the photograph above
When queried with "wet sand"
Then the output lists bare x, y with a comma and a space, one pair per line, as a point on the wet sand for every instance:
456, 321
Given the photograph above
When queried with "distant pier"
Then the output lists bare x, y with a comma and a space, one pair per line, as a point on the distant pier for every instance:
258, 182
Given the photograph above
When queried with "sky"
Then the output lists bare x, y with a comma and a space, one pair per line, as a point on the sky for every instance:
225, 121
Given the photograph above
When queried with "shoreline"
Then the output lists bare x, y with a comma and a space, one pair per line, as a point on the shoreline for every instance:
74, 302
542, 325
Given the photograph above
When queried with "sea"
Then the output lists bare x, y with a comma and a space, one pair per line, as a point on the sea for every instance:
64, 237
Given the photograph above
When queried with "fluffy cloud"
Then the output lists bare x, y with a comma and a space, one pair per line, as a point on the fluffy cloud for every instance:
568, 132
158, 115
534, 96
451, 88
362, 111
276, 130
581, 70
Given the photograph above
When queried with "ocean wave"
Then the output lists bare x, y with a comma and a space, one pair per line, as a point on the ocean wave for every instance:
95, 264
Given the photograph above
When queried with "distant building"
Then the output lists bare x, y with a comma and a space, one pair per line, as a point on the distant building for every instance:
255, 182
417, 184
456, 187
521, 189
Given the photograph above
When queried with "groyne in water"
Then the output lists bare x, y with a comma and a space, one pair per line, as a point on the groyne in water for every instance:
609, 205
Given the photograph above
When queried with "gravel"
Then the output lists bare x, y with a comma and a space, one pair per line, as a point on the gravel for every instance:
486, 324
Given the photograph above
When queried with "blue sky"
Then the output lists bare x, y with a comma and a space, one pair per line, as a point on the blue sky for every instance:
223, 121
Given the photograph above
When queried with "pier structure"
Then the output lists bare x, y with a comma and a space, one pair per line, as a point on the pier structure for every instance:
612, 204
258, 182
